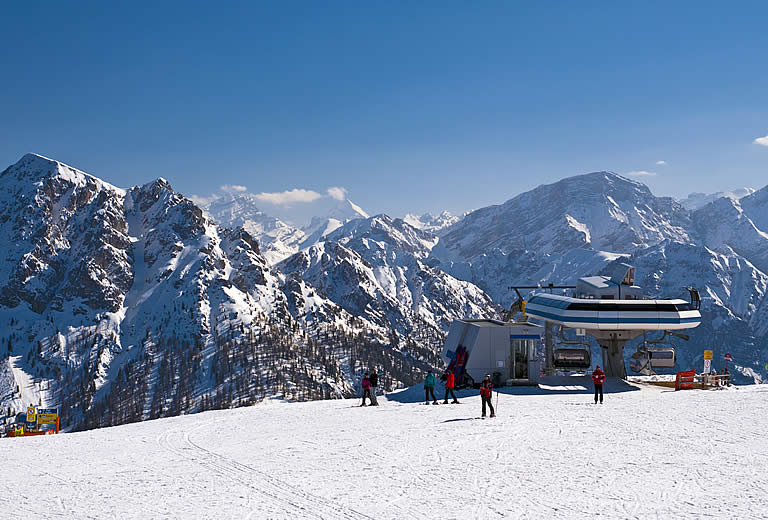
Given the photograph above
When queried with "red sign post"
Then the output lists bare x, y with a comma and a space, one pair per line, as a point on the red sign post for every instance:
728, 357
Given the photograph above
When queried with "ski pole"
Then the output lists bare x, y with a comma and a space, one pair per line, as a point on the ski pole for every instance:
497, 400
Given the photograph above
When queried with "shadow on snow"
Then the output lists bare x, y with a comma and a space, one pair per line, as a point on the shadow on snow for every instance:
552, 385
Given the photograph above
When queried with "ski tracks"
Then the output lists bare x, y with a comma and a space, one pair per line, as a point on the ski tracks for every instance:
292, 502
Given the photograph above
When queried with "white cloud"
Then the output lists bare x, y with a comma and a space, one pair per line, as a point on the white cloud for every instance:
661, 163
763, 141
233, 188
337, 193
642, 173
288, 197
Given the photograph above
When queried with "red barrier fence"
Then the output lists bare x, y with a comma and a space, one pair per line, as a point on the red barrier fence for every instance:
684, 380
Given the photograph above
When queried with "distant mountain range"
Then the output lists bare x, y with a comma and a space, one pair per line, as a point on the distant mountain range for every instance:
126, 304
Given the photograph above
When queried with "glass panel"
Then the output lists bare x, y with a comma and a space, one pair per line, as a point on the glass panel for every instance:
521, 360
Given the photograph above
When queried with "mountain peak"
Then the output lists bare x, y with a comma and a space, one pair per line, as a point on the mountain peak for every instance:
346, 210
341, 213
35, 167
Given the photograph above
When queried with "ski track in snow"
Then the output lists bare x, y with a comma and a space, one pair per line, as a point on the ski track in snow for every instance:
644, 454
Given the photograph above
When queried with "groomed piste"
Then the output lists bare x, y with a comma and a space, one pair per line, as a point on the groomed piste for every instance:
648, 452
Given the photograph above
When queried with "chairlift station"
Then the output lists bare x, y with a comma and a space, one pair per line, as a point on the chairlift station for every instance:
610, 309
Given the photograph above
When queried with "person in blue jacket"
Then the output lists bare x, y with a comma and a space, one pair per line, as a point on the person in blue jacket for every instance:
429, 387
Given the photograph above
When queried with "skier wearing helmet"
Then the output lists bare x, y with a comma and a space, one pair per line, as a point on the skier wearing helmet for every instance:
486, 390
598, 378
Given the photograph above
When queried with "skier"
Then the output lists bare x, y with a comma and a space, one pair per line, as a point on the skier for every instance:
486, 391
374, 380
598, 378
366, 384
450, 383
429, 387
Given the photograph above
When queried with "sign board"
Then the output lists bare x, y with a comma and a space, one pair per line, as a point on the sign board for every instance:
707, 355
729, 357
707, 366
47, 416
581, 332
31, 414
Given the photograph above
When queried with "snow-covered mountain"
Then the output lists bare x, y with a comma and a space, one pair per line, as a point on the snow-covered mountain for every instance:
121, 305
277, 239
558, 232
431, 223
339, 214
697, 200
377, 267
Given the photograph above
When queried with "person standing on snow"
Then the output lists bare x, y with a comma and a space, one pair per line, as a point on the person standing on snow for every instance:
374, 380
450, 383
598, 378
366, 384
486, 391
429, 387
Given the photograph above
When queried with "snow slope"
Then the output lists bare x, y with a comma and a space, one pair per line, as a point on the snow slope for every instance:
651, 453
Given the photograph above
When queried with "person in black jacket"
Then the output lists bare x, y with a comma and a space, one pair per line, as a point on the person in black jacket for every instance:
373, 377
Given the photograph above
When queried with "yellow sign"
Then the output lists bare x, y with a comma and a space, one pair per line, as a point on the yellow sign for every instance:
31, 414
707, 354
46, 418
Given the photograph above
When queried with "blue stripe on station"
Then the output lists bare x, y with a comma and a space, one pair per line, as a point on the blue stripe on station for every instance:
524, 336
577, 319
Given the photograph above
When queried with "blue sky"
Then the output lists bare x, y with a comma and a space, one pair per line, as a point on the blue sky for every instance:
408, 106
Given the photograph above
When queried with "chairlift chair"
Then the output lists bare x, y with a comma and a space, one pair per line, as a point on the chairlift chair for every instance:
571, 355
655, 354
572, 358
662, 357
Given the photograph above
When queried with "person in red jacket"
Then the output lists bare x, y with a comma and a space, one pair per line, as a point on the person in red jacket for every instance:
486, 391
450, 384
366, 386
598, 378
